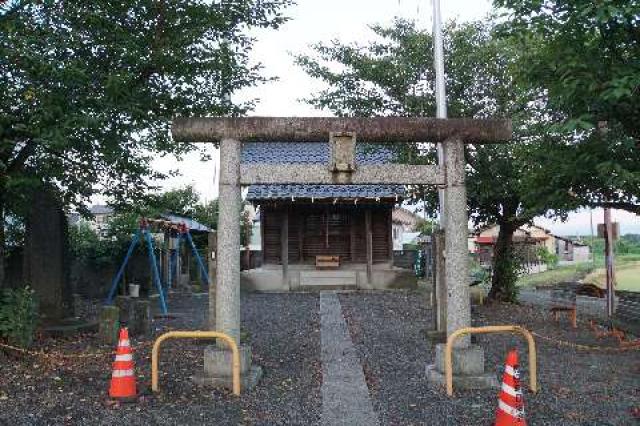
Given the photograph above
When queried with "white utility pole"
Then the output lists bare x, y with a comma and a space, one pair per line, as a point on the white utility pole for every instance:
441, 94
439, 293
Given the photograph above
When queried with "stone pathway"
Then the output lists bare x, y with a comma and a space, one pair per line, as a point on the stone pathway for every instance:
345, 395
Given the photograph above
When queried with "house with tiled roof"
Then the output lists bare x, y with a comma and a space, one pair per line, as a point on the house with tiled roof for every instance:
404, 224
324, 235
532, 238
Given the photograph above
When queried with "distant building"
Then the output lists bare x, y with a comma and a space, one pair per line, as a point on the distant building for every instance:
404, 222
101, 216
99, 221
569, 250
528, 239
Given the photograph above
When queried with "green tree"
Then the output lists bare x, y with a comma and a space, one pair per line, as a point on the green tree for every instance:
207, 213
582, 60
394, 76
181, 201
89, 88
426, 227
86, 246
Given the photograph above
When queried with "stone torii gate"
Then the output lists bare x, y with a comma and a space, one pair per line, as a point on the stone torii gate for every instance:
342, 134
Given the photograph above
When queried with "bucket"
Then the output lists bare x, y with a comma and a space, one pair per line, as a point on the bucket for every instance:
134, 290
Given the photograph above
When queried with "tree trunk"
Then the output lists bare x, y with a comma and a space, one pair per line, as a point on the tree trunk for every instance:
505, 272
45, 266
2, 238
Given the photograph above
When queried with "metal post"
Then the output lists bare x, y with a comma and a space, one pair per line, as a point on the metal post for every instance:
235, 353
211, 260
603, 129
170, 268
609, 260
203, 271
531, 343
228, 287
154, 270
284, 247
440, 289
116, 280
593, 253
369, 244
441, 94
178, 264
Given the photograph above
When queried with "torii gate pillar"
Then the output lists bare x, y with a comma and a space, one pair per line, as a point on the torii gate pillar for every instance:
468, 360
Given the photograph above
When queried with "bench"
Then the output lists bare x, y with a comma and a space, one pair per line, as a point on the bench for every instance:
327, 262
564, 301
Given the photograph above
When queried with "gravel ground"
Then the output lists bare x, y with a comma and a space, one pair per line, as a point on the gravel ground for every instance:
387, 328
576, 387
284, 332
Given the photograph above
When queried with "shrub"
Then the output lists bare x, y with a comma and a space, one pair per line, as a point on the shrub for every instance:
551, 259
18, 316
584, 268
507, 268
479, 274
87, 247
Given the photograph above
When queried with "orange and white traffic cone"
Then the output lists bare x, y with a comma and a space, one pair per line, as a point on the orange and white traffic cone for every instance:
123, 378
510, 403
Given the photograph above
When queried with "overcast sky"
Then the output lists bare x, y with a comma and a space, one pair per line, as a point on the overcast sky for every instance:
346, 20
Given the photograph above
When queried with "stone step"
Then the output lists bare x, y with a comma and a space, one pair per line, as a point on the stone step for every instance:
328, 279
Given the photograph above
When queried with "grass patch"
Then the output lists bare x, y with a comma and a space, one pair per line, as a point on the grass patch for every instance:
627, 276
621, 259
557, 275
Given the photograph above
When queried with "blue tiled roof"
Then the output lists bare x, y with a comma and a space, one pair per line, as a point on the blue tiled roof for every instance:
315, 153
308, 153
282, 192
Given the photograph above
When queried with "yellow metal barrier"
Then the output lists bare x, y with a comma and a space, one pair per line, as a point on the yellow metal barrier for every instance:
235, 354
533, 384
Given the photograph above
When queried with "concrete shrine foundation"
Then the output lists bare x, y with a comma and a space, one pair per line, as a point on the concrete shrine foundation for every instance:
307, 277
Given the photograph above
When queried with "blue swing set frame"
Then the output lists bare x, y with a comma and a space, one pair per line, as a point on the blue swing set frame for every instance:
143, 233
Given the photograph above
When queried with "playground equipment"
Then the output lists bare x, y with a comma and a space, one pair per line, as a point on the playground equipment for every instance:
183, 233
143, 233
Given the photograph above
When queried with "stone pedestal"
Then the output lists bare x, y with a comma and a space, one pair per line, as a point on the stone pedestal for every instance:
140, 321
468, 369
436, 336
218, 368
109, 324
78, 304
125, 304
